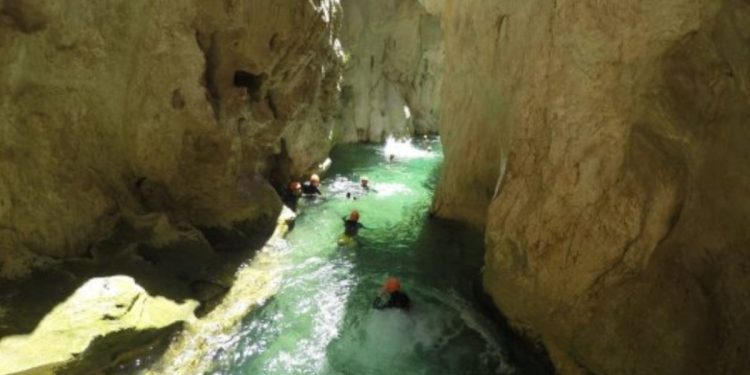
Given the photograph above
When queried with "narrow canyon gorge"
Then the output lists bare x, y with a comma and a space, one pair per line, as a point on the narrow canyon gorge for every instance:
600, 150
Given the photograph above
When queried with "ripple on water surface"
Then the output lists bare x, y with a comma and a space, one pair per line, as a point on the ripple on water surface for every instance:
321, 321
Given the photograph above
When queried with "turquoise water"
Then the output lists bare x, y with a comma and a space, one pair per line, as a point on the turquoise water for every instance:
321, 321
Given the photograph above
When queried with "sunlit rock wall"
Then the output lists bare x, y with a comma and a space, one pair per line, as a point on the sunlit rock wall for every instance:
604, 146
393, 69
113, 109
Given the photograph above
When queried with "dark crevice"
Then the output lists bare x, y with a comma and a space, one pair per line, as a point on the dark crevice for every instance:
178, 101
272, 105
525, 353
252, 82
24, 14
280, 173
208, 47
272, 43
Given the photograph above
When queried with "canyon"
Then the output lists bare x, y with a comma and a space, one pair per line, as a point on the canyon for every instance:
601, 147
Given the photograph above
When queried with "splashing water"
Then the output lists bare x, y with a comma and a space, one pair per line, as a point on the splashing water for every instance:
405, 149
321, 320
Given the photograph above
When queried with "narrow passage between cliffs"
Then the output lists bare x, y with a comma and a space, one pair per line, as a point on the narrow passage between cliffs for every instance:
321, 320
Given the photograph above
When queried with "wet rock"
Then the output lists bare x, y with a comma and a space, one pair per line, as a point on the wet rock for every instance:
209, 293
193, 351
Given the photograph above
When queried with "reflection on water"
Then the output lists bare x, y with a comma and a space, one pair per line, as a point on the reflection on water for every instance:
321, 321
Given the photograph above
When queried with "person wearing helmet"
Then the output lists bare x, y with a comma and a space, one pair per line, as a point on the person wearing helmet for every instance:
352, 224
361, 190
310, 187
391, 296
291, 195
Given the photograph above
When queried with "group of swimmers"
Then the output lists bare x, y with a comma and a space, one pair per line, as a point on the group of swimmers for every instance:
390, 296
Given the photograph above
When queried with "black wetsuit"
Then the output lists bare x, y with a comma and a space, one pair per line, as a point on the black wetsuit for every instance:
351, 227
395, 300
310, 189
290, 198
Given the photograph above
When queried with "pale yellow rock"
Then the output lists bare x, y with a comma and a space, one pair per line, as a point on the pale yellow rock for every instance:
604, 147
254, 284
177, 107
99, 307
393, 75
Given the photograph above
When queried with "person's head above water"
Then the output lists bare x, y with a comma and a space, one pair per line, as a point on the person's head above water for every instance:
392, 284
364, 181
315, 180
295, 186
354, 215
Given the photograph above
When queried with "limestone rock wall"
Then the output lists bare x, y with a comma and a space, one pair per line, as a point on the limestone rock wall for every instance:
113, 109
393, 70
604, 147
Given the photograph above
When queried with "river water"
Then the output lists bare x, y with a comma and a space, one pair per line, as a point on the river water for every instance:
321, 320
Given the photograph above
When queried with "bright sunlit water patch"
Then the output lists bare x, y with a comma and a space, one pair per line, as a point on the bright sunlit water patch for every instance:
321, 320
405, 149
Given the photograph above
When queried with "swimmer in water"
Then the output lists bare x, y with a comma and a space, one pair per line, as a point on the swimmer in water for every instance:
352, 224
391, 296
291, 195
310, 187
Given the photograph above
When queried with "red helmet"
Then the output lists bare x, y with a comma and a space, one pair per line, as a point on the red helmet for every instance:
392, 284
354, 216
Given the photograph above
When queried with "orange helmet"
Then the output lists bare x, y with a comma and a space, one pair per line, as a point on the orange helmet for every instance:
294, 186
354, 216
392, 284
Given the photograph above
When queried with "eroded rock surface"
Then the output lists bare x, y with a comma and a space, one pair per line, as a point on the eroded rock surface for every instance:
393, 75
610, 142
142, 138
117, 109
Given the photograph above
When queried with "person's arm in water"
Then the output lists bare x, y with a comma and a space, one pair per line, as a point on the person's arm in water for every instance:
317, 191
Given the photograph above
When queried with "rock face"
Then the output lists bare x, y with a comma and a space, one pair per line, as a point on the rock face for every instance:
112, 110
100, 307
605, 147
393, 71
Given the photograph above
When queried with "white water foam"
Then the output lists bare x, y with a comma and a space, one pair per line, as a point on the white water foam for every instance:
404, 149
